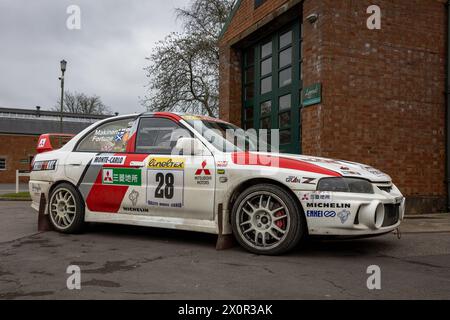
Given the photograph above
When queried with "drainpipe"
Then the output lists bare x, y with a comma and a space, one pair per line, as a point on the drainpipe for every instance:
447, 102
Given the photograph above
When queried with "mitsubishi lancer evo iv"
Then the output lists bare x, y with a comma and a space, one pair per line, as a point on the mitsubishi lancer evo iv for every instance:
171, 170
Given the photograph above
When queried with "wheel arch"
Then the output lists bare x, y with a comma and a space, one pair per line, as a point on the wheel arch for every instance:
59, 182
250, 182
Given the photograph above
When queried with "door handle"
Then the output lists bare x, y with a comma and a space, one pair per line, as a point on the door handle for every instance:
75, 164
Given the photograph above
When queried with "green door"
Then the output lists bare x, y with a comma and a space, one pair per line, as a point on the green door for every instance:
272, 86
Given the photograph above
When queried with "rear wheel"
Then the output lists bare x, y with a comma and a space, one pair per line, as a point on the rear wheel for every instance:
266, 220
66, 209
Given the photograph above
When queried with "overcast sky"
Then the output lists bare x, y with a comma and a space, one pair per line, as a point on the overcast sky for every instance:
105, 57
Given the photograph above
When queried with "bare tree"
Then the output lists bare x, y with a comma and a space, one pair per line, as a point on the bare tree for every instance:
184, 68
82, 103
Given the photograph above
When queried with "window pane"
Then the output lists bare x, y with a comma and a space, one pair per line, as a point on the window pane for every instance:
285, 136
249, 75
285, 57
266, 66
2, 163
266, 49
285, 119
248, 113
249, 92
109, 137
265, 123
158, 135
285, 39
285, 77
266, 85
250, 57
266, 108
284, 103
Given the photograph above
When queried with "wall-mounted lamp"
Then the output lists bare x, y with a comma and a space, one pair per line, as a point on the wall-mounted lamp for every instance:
312, 18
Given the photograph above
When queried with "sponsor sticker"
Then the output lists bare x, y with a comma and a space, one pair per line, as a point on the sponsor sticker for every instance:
320, 214
133, 196
42, 142
322, 196
45, 165
328, 205
121, 176
304, 180
109, 159
343, 215
203, 175
135, 210
220, 171
222, 164
166, 163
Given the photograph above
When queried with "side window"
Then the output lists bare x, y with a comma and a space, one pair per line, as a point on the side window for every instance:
109, 137
159, 136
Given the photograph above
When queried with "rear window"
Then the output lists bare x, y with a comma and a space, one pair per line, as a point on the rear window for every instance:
109, 137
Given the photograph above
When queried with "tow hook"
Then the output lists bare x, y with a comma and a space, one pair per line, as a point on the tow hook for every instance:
398, 233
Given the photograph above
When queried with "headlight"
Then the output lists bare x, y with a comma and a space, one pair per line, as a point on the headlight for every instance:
345, 185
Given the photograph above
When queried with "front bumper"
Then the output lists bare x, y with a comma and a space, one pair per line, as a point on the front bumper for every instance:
352, 214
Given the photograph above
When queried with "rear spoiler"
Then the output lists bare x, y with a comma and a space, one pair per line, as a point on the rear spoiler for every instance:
47, 141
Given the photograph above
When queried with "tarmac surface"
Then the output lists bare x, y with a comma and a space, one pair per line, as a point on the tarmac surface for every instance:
123, 262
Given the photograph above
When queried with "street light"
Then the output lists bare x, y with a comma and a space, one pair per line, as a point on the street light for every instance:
63, 64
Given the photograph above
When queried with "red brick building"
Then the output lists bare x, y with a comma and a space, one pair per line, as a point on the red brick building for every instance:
381, 93
19, 133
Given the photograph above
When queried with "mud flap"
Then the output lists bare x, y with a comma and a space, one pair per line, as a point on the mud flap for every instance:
224, 241
43, 222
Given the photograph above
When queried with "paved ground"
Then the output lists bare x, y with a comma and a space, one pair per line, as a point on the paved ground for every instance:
146, 263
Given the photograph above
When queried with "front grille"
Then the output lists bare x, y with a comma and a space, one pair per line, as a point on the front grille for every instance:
391, 214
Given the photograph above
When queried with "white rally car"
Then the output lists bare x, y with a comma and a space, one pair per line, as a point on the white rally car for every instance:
180, 171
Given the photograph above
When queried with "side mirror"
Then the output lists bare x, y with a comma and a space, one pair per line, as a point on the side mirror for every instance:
190, 146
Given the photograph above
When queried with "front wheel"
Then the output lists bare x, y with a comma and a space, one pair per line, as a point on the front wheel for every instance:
66, 209
266, 220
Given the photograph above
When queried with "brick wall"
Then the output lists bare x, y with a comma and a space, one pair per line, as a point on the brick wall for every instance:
16, 148
383, 91
383, 100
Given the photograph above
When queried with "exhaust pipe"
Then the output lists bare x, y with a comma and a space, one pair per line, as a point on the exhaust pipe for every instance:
372, 215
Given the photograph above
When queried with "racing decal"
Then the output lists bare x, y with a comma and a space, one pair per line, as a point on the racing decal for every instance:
203, 175
133, 196
220, 171
42, 142
108, 159
106, 197
320, 214
321, 196
44, 165
247, 158
165, 182
328, 205
166, 163
121, 176
343, 215
222, 164
304, 180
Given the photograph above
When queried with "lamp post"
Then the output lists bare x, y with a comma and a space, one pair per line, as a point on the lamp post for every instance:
63, 69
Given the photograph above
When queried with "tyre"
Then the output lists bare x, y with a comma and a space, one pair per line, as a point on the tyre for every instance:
266, 220
66, 209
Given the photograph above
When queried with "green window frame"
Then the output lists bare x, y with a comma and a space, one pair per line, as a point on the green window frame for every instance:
278, 89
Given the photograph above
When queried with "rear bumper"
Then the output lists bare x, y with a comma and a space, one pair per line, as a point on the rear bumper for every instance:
37, 188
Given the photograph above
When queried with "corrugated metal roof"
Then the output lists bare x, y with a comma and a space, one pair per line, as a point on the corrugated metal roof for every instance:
34, 122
